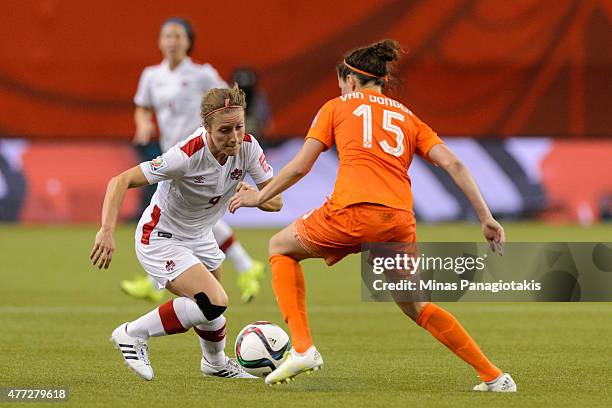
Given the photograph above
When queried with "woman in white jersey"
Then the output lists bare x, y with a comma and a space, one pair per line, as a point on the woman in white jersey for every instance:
174, 239
171, 92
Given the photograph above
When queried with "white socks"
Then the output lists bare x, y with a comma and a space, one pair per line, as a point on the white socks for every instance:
239, 257
212, 340
224, 235
178, 316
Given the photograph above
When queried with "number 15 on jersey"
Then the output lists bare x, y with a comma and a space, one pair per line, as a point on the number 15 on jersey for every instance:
387, 124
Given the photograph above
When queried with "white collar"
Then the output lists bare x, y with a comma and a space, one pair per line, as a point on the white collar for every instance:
184, 63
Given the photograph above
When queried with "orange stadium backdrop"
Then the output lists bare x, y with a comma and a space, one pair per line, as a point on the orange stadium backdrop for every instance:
69, 69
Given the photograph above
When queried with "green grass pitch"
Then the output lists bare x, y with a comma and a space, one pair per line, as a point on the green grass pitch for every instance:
57, 313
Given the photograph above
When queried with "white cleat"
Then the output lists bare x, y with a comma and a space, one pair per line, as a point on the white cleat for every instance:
294, 364
231, 369
503, 383
134, 352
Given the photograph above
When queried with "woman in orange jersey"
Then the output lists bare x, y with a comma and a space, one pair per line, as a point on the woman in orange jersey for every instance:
376, 138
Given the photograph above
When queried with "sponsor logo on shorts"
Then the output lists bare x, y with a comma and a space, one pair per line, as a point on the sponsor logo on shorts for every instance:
236, 174
170, 265
158, 163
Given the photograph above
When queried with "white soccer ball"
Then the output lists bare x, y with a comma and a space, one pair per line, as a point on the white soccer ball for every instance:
260, 347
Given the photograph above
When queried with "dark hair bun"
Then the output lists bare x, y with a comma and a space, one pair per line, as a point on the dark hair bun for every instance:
377, 60
387, 50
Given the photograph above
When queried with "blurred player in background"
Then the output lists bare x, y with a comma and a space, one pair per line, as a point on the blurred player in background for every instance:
376, 138
171, 92
174, 239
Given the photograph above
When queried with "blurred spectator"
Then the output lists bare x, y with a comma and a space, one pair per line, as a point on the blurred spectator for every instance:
258, 114
12, 180
606, 207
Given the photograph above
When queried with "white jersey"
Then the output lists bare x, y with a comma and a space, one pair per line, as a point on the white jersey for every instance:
175, 96
194, 188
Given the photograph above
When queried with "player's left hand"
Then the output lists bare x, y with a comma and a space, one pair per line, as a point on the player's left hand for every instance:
494, 234
103, 249
246, 196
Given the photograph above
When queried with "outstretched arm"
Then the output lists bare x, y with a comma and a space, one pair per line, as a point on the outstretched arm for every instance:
104, 244
493, 231
297, 168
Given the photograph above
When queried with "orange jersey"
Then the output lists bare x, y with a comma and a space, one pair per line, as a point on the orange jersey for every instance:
376, 138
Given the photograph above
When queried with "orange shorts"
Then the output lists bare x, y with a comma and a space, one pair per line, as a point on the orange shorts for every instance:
332, 233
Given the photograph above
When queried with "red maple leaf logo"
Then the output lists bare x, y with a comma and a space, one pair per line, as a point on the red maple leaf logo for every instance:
235, 175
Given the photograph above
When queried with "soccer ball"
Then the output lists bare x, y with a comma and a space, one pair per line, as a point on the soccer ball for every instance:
260, 347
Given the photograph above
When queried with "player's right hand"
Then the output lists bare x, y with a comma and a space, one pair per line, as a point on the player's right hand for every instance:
103, 249
245, 197
494, 234
244, 186
144, 134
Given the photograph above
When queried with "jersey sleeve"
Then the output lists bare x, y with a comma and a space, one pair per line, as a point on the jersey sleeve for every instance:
426, 138
170, 165
322, 126
257, 167
211, 78
143, 95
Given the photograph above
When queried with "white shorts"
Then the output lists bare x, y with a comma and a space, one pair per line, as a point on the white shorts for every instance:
164, 259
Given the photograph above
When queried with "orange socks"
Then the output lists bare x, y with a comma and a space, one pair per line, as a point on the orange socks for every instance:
444, 327
290, 290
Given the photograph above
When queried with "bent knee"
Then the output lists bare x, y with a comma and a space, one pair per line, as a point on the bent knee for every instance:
211, 307
276, 246
218, 298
